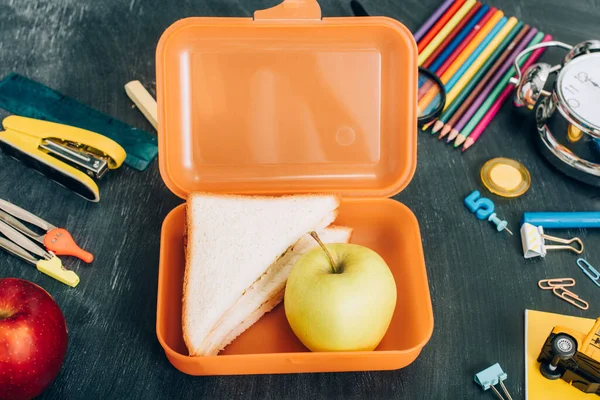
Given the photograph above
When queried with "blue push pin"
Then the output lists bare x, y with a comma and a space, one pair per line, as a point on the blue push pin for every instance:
500, 224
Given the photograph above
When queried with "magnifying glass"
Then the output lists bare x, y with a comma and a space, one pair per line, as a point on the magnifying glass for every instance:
432, 94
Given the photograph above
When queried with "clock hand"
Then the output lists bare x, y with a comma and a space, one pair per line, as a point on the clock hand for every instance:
594, 83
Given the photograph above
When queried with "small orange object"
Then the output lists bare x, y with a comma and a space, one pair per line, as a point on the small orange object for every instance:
290, 102
60, 242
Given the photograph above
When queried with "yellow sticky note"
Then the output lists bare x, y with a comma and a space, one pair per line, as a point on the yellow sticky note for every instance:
538, 326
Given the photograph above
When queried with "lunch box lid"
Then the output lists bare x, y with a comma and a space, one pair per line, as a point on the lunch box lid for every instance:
287, 102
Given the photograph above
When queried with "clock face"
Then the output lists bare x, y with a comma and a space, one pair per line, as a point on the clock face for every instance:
579, 88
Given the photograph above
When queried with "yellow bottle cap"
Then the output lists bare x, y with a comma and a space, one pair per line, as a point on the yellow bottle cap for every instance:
505, 177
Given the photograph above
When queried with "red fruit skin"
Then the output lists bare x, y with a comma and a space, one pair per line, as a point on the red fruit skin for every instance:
33, 339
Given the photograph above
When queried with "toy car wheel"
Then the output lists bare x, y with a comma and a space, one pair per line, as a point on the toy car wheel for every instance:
564, 346
548, 373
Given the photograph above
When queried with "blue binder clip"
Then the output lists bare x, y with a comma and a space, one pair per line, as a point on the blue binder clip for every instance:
590, 271
492, 376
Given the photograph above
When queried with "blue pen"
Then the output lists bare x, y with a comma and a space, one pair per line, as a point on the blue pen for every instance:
458, 39
475, 54
590, 219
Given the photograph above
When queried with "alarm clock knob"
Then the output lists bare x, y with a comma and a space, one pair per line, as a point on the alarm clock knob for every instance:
531, 86
587, 47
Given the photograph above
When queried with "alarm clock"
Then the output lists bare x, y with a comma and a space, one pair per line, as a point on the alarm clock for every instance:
566, 100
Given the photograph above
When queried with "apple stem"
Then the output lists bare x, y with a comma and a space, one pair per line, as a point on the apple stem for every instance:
316, 237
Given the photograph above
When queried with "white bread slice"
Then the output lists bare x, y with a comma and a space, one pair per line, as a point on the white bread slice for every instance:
266, 293
231, 241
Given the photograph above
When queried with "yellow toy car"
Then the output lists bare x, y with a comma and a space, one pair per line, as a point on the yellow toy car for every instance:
574, 357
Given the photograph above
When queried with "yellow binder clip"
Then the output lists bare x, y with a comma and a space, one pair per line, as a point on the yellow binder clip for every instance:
70, 156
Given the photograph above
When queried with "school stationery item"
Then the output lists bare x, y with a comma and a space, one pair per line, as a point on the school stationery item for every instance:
483, 208
143, 100
458, 31
431, 20
421, 44
458, 82
492, 376
27, 98
589, 270
430, 82
486, 113
57, 240
463, 36
445, 31
540, 329
563, 220
475, 85
533, 241
491, 27
46, 262
489, 87
471, 40
505, 177
559, 286
475, 93
68, 155
571, 104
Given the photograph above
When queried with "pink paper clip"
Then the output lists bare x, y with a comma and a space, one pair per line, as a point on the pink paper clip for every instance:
558, 287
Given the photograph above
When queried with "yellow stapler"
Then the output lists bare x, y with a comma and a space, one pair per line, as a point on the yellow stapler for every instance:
68, 155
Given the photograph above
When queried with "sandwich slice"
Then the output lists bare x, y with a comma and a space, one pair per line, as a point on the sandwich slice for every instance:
239, 251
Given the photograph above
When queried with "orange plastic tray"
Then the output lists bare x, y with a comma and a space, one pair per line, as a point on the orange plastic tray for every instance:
289, 102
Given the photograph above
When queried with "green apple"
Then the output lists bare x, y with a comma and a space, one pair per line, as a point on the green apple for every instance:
340, 297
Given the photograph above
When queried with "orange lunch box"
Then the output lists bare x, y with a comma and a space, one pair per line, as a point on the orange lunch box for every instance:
289, 102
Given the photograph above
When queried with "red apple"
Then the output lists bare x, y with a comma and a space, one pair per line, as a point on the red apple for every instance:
33, 339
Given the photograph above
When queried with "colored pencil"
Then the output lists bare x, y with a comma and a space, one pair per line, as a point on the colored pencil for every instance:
503, 97
479, 56
445, 31
494, 95
421, 44
432, 19
491, 97
472, 25
447, 119
489, 87
478, 62
496, 21
461, 47
480, 37
465, 100
452, 35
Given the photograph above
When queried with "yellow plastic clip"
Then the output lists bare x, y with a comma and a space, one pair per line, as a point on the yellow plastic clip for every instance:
54, 268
